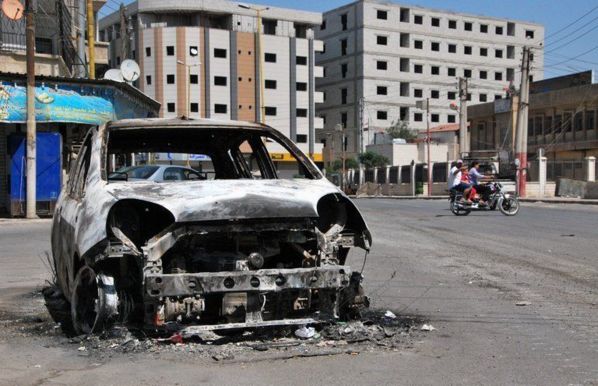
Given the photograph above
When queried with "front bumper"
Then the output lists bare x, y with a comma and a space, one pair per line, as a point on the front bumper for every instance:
260, 281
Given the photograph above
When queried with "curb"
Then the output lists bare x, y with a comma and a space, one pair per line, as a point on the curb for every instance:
537, 200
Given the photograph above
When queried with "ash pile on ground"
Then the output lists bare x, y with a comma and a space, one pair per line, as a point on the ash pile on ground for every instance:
373, 332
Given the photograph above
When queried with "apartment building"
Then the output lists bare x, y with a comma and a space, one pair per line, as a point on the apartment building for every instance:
390, 56
199, 60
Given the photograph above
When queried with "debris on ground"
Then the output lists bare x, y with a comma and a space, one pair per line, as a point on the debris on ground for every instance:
427, 327
389, 314
305, 332
523, 303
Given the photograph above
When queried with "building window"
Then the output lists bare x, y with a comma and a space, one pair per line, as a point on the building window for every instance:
193, 79
529, 33
468, 96
468, 26
498, 53
382, 115
434, 94
452, 48
418, 117
451, 95
301, 60
148, 51
435, 70
220, 108
301, 113
418, 92
301, 138
498, 76
511, 74
382, 40
452, 71
467, 73
418, 68
148, 80
404, 65
511, 29
452, 24
269, 83
194, 107
301, 86
484, 28
270, 111
434, 117
381, 15
499, 30
381, 90
404, 91
171, 107
170, 50
219, 53
404, 40
270, 57
170, 79
497, 96
435, 46
418, 44
323, 25
451, 118
344, 21
483, 74
483, 98
343, 96
381, 65
344, 120
404, 15
344, 70
220, 81
418, 19
467, 50
344, 47
435, 22
483, 51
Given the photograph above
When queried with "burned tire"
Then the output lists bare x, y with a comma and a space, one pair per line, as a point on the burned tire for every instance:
59, 308
93, 302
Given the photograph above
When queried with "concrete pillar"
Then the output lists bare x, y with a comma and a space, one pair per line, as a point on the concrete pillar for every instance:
590, 169
542, 175
361, 175
375, 175
387, 175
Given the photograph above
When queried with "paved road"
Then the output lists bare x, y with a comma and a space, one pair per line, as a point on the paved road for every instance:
465, 275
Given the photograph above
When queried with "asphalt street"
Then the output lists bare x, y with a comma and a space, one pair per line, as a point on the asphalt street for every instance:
514, 300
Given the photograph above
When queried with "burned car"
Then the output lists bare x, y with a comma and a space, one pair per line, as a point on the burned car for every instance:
242, 248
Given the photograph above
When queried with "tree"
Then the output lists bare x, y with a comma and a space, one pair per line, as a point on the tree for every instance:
400, 129
369, 159
350, 163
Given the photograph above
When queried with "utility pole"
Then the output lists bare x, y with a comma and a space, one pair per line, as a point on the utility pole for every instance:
31, 129
361, 149
522, 127
81, 70
463, 148
428, 140
91, 39
124, 35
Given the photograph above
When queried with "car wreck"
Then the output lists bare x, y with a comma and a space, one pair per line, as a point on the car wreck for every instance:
241, 248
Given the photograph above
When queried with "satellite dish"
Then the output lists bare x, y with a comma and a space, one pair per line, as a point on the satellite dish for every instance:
114, 74
130, 70
13, 9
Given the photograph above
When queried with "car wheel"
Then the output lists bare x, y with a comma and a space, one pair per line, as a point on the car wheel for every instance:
93, 301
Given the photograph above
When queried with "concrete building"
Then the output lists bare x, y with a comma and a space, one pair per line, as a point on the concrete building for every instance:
199, 60
55, 40
391, 55
562, 122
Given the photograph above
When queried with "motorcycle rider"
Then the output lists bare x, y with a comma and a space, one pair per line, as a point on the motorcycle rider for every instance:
454, 180
476, 178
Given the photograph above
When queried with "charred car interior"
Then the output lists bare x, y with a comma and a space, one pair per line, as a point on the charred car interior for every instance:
244, 248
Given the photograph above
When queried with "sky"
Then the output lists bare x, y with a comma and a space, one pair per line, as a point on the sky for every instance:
568, 50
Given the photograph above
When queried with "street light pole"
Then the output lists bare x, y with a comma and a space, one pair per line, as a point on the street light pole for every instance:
428, 140
188, 83
31, 128
91, 39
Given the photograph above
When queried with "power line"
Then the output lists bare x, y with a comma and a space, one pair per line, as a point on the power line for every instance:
571, 33
572, 40
570, 24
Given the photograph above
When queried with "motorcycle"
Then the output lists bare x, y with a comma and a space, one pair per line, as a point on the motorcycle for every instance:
507, 203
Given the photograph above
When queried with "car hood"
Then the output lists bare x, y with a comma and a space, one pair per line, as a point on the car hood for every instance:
228, 199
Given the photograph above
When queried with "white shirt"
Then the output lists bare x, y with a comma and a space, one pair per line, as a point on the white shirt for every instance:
454, 179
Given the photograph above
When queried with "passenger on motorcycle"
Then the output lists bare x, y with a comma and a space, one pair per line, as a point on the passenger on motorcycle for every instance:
476, 178
455, 182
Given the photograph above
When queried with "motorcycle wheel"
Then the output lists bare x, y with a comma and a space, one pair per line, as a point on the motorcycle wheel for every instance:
457, 210
509, 206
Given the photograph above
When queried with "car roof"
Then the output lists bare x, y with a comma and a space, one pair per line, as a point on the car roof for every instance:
161, 123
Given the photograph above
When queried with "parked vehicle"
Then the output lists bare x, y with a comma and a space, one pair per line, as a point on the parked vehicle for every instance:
243, 249
156, 173
507, 203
